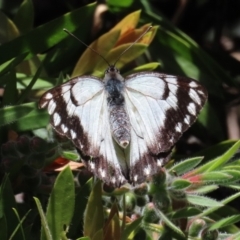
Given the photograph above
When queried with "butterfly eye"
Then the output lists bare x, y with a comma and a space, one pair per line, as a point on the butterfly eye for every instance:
112, 69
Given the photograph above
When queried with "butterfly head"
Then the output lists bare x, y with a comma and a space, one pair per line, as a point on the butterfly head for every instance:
112, 73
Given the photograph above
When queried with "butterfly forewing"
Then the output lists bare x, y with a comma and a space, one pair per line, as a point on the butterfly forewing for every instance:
160, 108
79, 111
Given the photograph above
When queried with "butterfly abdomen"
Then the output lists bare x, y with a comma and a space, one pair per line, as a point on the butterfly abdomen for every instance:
118, 117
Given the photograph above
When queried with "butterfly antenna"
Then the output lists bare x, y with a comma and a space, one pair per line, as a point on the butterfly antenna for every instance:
132, 45
65, 30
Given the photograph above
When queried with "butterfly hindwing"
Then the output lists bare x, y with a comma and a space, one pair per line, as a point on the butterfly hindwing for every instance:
78, 110
160, 107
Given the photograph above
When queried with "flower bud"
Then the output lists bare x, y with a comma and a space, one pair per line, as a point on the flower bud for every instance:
196, 227
141, 189
150, 213
162, 201
130, 202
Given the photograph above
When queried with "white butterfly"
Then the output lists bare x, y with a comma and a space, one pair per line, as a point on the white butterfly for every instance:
124, 128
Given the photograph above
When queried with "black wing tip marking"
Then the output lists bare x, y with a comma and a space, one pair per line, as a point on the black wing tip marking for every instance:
44, 101
191, 96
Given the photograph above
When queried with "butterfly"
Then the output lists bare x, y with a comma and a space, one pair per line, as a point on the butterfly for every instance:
124, 128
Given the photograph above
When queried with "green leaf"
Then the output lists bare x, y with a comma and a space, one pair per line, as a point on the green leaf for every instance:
232, 186
145, 67
185, 213
203, 201
8, 30
119, 4
10, 93
219, 161
14, 113
81, 199
46, 36
42, 82
61, 204
93, 216
25, 16
32, 120
234, 173
11, 64
223, 202
131, 228
233, 165
179, 184
215, 177
71, 155
24, 117
19, 224
185, 165
230, 198
25, 94
216, 150
152, 229
225, 222
170, 224
205, 189
44, 223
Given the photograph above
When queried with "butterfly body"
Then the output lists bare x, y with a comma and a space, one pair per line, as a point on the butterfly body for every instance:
124, 128
118, 117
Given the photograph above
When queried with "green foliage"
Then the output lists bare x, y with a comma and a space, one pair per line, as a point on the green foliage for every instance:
175, 204
58, 217
171, 198
93, 217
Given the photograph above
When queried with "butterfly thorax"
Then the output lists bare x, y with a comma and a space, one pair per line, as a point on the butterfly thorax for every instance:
118, 117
